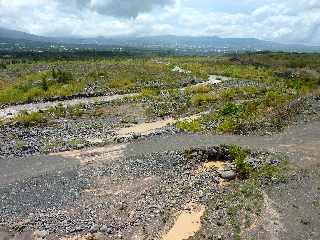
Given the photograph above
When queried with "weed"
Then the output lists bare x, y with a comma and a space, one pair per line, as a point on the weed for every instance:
316, 204
239, 157
74, 142
62, 77
202, 99
30, 119
189, 126
19, 228
227, 126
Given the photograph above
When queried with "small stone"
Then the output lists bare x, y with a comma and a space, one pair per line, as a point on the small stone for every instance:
136, 135
106, 229
94, 228
99, 236
228, 175
305, 221
40, 234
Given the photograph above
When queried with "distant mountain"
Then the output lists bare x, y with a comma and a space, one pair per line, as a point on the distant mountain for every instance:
12, 34
183, 44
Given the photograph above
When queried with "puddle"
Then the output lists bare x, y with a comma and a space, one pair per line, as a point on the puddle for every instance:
102, 154
219, 165
212, 165
187, 223
12, 111
147, 128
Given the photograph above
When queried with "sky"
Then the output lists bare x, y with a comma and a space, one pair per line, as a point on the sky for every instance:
287, 21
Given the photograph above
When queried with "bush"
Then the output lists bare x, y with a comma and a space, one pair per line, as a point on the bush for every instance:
147, 92
189, 126
202, 99
62, 77
227, 126
199, 89
3, 66
229, 109
239, 156
30, 119
44, 83
228, 94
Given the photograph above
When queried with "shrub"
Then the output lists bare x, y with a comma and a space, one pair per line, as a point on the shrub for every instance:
202, 99
228, 94
203, 88
30, 119
227, 126
62, 76
229, 109
147, 92
44, 83
189, 126
239, 155
3, 66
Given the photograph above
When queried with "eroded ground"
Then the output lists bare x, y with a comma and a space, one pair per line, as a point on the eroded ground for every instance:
150, 165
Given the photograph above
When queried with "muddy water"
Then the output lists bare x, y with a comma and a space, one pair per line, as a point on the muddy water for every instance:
95, 155
187, 224
12, 111
148, 128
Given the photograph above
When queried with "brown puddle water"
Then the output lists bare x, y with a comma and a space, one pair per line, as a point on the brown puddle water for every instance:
147, 128
187, 223
101, 154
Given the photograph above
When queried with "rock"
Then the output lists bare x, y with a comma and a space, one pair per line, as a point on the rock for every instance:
94, 228
254, 163
228, 175
106, 229
305, 221
40, 234
136, 135
99, 236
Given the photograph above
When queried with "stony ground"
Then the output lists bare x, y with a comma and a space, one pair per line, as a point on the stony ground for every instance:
134, 190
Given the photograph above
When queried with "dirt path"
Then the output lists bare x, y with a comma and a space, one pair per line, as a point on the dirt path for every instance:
130, 191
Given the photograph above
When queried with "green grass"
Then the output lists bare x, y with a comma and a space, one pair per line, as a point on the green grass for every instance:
189, 126
316, 204
72, 77
239, 156
38, 86
46, 116
253, 106
30, 119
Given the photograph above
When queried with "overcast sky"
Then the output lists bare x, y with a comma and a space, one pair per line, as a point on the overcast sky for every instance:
284, 21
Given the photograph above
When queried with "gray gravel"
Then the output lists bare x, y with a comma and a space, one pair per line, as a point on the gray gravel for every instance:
138, 193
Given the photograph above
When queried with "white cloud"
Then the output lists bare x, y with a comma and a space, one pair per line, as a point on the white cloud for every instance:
288, 21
